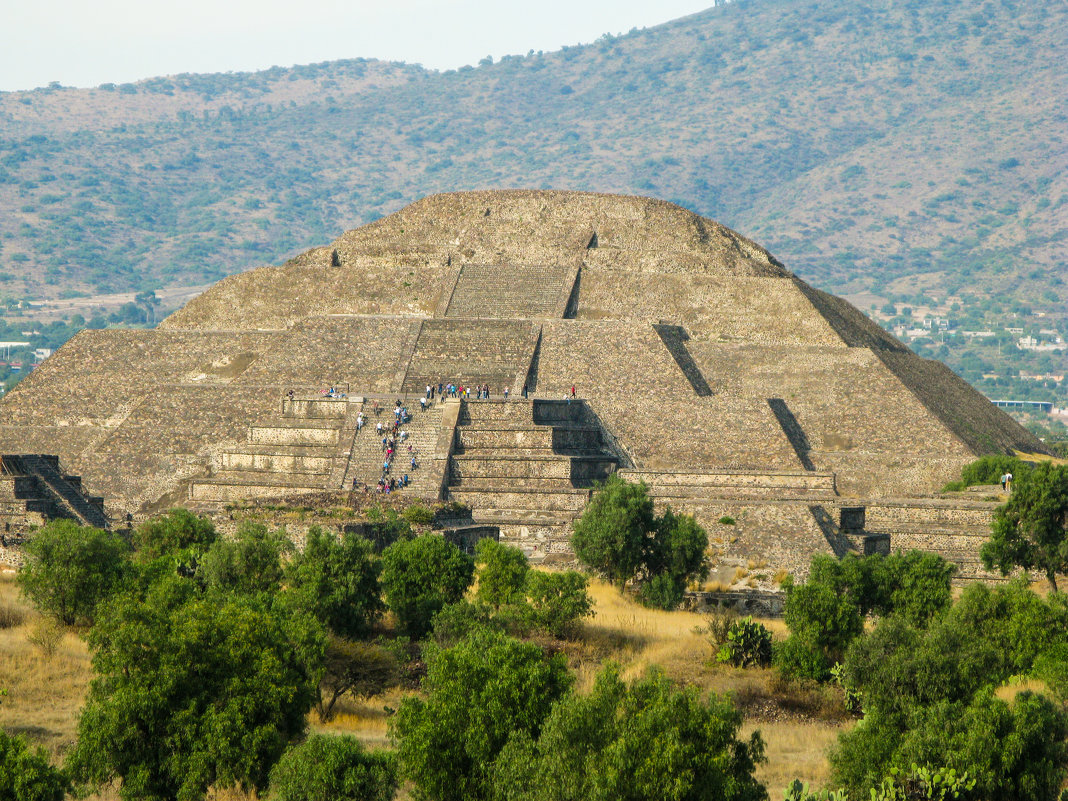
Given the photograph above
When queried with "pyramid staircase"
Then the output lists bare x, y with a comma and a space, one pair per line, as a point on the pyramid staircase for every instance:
35, 489
527, 466
304, 450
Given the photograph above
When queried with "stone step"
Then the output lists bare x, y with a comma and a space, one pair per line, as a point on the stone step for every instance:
511, 484
554, 439
714, 494
234, 486
298, 435
520, 500
495, 466
316, 408
272, 460
519, 292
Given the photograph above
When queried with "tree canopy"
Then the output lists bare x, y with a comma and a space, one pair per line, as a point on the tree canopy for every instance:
70, 569
649, 739
620, 538
336, 579
1031, 529
422, 575
478, 694
191, 692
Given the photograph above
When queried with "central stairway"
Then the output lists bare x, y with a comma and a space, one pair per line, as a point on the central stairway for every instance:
527, 466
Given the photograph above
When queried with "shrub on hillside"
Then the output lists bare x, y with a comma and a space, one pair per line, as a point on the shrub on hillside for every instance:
747, 644
191, 691
420, 577
333, 768
556, 602
26, 774
619, 537
988, 469
251, 562
70, 569
485, 689
611, 744
179, 534
502, 574
337, 580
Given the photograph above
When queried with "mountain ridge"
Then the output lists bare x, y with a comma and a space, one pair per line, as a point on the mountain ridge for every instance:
901, 139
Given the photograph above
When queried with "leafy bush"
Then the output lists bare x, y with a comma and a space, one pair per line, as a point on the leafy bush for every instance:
619, 537
610, 744
418, 515
662, 592
478, 693
178, 534
191, 692
26, 775
337, 581
502, 576
1031, 529
988, 469
748, 644
800, 657
421, 576
556, 602
333, 768
460, 620
611, 536
70, 569
251, 562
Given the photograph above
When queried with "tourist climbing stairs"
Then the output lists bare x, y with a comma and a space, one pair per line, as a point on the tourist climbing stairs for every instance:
421, 433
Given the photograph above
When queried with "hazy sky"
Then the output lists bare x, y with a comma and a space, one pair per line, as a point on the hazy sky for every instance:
89, 42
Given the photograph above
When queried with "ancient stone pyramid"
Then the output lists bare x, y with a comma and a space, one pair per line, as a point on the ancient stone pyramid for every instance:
701, 365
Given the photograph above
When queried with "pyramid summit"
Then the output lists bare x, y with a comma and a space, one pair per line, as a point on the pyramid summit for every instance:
699, 363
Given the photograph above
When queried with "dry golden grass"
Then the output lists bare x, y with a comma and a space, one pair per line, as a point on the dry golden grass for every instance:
44, 694
795, 750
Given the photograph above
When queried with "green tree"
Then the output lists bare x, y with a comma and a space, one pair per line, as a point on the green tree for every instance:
478, 693
353, 667
822, 623
556, 602
337, 581
25, 773
1031, 529
251, 562
649, 739
191, 692
70, 569
422, 575
502, 574
610, 537
179, 535
332, 768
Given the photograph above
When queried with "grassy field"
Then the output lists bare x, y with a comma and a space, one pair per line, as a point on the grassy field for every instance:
45, 691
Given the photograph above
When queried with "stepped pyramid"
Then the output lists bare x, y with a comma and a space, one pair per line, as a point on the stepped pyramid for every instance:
701, 366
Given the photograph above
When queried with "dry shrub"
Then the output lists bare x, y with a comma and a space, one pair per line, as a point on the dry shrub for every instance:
716, 626
11, 616
739, 574
46, 635
757, 564
780, 576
